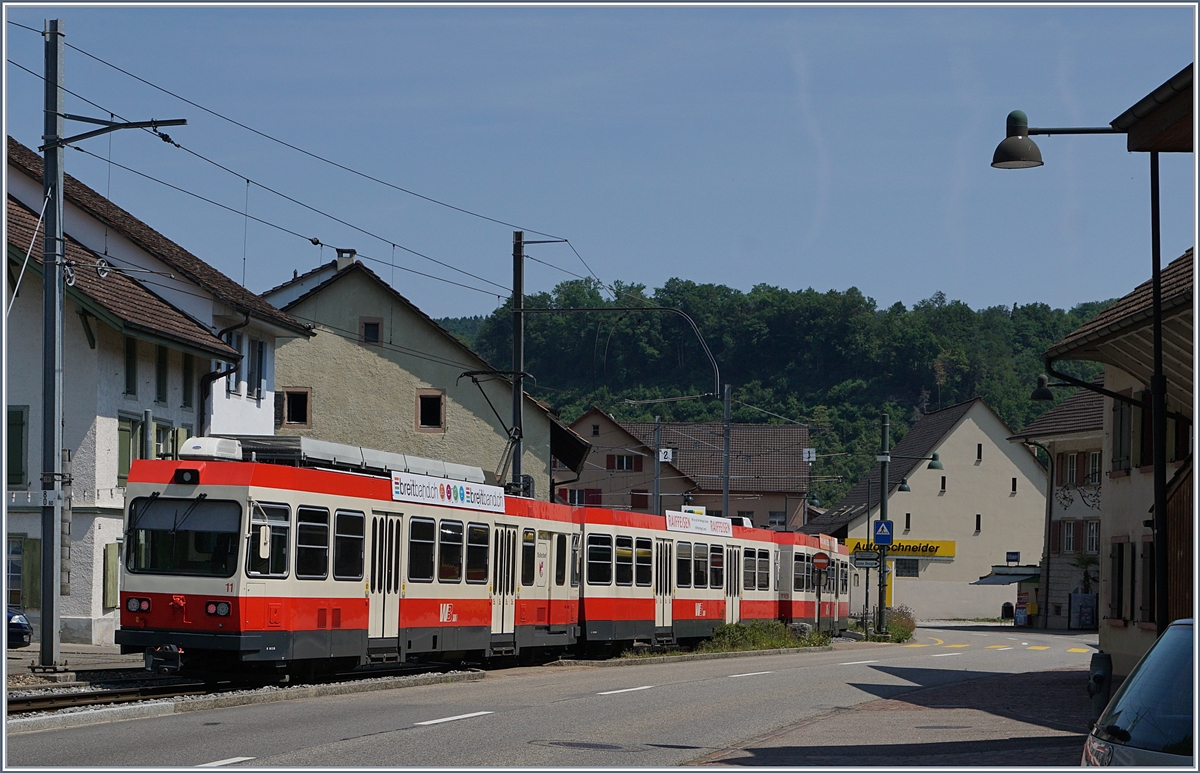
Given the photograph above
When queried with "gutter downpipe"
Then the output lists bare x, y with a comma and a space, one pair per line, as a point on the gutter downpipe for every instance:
1045, 573
207, 379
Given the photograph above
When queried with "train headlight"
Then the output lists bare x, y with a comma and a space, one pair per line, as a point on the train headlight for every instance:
223, 609
218, 608
132, 605
137, 605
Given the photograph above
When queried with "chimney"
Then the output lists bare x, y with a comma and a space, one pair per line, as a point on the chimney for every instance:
345, 258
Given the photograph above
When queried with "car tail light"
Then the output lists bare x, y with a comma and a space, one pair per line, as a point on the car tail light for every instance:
218, 608
1096, 752
137, 605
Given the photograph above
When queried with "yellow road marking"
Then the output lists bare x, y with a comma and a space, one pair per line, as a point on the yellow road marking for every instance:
1037, 648
996, 647
936, 639
916, 645
1078, 649
949, 646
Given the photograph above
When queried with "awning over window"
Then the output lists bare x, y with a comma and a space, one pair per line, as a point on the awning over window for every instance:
1004, 579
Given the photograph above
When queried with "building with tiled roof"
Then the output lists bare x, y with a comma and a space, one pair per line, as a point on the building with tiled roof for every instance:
379, 372
148, 327
1120, 338
768, 479
949, 525
1072, 433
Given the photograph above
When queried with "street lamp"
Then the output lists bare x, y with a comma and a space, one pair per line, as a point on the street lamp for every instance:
1017, 151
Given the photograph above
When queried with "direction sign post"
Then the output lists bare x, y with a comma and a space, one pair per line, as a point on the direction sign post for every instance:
865, 559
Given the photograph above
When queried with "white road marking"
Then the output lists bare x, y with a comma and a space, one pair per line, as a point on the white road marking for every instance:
628, 689
1011, 638
999, 649
752, 673
945, 654
858, 662
451, 719
980, 634
219, 763
1024, 643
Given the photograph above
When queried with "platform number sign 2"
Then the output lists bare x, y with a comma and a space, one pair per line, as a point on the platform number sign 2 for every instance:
883, 532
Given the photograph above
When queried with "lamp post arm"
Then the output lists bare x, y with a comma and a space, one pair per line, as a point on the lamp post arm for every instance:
1078, 130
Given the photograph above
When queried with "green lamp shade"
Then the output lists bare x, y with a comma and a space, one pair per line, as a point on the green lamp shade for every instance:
904, 485
935, 463
1017, 151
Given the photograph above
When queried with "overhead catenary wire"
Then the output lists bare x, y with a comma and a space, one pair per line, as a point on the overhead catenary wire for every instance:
323, 159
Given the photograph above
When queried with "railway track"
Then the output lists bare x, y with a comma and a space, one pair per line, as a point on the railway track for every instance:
55, 701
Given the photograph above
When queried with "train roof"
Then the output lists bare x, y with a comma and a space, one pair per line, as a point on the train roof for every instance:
298, 451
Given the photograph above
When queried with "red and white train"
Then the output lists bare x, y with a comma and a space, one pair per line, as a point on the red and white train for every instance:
316, 556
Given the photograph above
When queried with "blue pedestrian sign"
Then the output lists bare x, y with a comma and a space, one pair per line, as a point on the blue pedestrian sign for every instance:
883, 533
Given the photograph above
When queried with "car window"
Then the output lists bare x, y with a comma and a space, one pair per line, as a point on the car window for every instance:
1153, 708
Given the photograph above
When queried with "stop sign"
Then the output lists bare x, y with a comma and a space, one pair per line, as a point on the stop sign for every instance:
820, 561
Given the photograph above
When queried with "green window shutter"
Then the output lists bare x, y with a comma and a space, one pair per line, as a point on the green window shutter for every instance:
112, 564
16, 447
31, 574
124, 445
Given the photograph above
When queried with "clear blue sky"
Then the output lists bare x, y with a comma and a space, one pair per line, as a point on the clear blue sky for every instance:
792, 146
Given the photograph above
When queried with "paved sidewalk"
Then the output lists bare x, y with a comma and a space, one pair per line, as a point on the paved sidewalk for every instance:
1009, 720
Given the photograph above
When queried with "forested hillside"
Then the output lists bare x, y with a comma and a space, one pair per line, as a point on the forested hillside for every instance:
833, 360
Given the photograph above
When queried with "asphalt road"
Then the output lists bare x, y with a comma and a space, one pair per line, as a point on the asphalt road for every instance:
646, 715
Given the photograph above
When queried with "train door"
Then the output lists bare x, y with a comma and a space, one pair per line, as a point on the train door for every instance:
383, 582
733, 584
664, 565
504, 554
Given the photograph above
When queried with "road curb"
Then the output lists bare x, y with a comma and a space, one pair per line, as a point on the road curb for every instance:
181, 705
685, 656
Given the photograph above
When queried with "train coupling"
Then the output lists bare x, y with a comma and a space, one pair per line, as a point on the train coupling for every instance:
167, 659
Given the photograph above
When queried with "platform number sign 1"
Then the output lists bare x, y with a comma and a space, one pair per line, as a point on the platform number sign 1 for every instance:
883, 532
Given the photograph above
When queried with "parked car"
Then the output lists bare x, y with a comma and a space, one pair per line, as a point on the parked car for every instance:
20, 632
1149, 721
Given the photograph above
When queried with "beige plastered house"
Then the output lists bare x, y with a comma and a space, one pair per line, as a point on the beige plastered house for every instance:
382, 374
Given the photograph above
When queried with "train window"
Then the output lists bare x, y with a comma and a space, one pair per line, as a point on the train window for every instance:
348, 539
421, 534
624, 560
477, 552
450, 552
599, 559
276, 519
560, 559
183, 536
312, 543
683, 565
574, 560
700, 564
749, 581
798, 572
844, 572
764, 570
528, 556
716, 566
643, 560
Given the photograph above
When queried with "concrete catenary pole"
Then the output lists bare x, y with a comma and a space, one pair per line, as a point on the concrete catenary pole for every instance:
725, 466
52, 348
518, 363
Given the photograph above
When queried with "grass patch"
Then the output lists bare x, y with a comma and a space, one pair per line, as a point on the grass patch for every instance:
758, 635
900, 623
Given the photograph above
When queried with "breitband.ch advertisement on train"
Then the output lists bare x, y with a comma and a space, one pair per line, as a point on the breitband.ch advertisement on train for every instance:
409, 487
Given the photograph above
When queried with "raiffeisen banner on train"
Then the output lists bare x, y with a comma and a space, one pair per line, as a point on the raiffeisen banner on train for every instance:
699, 524
408, 487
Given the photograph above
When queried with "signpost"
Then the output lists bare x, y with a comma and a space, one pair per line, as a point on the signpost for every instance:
865, 559
820, 562
883, 533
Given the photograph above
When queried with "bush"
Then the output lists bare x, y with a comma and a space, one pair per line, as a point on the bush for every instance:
900, 623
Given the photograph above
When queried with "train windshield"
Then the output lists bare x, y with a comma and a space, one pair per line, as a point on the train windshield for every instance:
183, 536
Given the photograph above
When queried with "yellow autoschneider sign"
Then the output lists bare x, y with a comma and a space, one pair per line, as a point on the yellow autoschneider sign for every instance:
905, 548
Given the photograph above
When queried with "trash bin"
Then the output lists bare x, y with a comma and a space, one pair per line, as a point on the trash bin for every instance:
1006, 611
